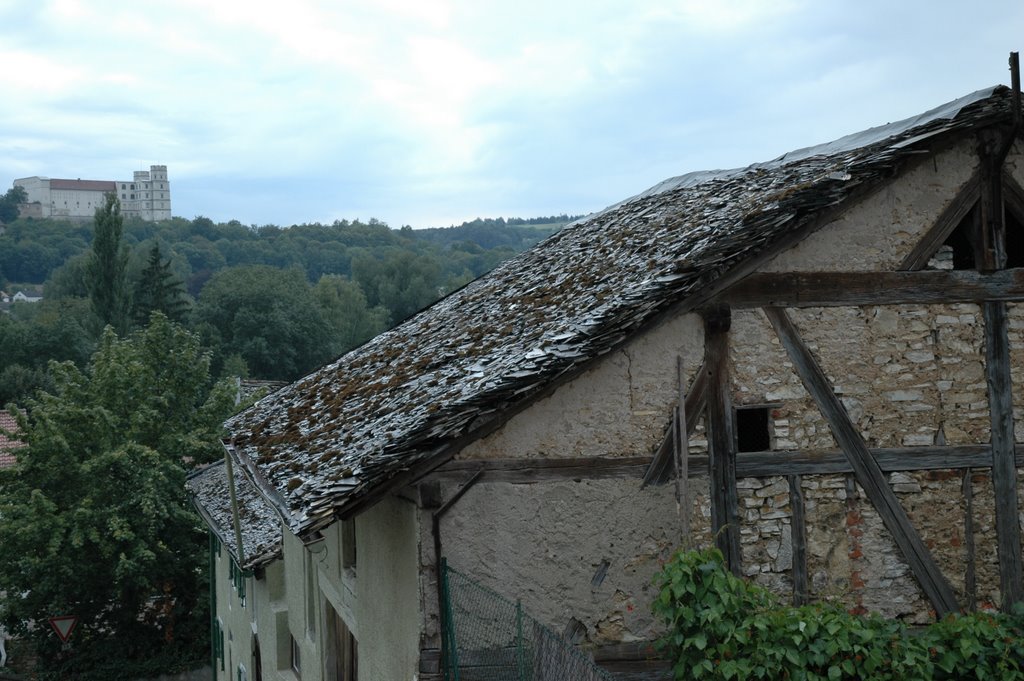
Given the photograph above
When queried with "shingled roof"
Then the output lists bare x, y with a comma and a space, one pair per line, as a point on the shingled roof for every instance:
261, 527
334, 441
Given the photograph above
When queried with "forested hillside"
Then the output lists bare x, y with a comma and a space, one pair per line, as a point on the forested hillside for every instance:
270, 302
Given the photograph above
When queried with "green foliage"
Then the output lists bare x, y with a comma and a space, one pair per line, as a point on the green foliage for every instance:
33, 334
267, 316
721, 627
106, 271
9, 203
350, 319
158, 290
96, 521
360, 277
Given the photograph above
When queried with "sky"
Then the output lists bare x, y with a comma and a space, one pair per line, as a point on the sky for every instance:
431, 112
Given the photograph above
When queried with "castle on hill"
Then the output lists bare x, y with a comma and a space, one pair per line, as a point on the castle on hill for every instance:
147, 196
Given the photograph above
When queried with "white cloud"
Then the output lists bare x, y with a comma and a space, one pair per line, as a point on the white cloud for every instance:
460, 107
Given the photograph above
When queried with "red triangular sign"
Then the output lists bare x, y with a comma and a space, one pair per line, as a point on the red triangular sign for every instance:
64, 625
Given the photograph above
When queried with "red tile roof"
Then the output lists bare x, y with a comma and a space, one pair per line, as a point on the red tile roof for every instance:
87, 185
8, 444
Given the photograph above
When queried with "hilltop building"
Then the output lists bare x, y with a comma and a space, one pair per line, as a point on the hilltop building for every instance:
147, 196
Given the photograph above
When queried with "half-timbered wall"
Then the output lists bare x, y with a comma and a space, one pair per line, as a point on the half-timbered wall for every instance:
908, 376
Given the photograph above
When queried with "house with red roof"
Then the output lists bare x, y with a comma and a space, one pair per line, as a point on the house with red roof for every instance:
9, 441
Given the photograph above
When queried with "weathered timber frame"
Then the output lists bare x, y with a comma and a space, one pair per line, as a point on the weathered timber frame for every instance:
994, 145
725, 526
869, 475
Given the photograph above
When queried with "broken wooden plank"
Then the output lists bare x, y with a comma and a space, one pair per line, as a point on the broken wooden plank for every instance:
834, 289
725, 526
1004, 467
660, 471
971, 570
681, 456
948, 219
865, 468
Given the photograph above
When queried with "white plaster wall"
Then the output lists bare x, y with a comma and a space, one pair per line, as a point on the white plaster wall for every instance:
618, 407
880, 231
545, 543
242, 623
388, 599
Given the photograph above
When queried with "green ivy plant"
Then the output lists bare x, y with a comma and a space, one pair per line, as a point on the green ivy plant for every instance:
722, 627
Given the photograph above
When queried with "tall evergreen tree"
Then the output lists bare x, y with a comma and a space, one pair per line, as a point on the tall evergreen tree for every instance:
107, 269
159, 290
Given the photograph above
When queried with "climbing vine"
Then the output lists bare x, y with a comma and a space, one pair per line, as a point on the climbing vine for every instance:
722, 627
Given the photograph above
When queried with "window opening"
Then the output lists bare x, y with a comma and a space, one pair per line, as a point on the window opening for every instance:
348, 544
342, 649
296, 658
238, 576
1014, 240
961, 242
752, 433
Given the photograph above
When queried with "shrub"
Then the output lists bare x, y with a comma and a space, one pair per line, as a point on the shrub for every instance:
722, 627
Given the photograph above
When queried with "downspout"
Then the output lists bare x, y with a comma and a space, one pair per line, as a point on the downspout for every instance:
234, 507
438, 567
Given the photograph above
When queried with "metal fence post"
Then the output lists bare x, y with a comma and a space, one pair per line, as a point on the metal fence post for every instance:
449, 646
520, 652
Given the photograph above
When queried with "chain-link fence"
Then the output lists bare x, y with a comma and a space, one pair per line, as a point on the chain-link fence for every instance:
489, 638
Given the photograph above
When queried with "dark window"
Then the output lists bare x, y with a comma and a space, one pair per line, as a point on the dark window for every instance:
296, 660
752, 429
1014, 240
960, 241
348, 544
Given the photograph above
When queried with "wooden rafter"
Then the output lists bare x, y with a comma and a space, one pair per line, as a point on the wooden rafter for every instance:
865, 468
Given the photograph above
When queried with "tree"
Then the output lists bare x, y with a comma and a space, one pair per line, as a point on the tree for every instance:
351, 321
96, 523
266, 315
107, 269
158, 290
9, 202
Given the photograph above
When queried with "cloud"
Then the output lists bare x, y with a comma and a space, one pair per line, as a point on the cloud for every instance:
427, 110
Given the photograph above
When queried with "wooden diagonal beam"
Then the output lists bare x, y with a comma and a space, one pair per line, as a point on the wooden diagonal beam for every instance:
866, 470
948, 219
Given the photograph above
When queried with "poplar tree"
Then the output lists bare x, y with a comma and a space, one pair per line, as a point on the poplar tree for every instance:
106, 273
